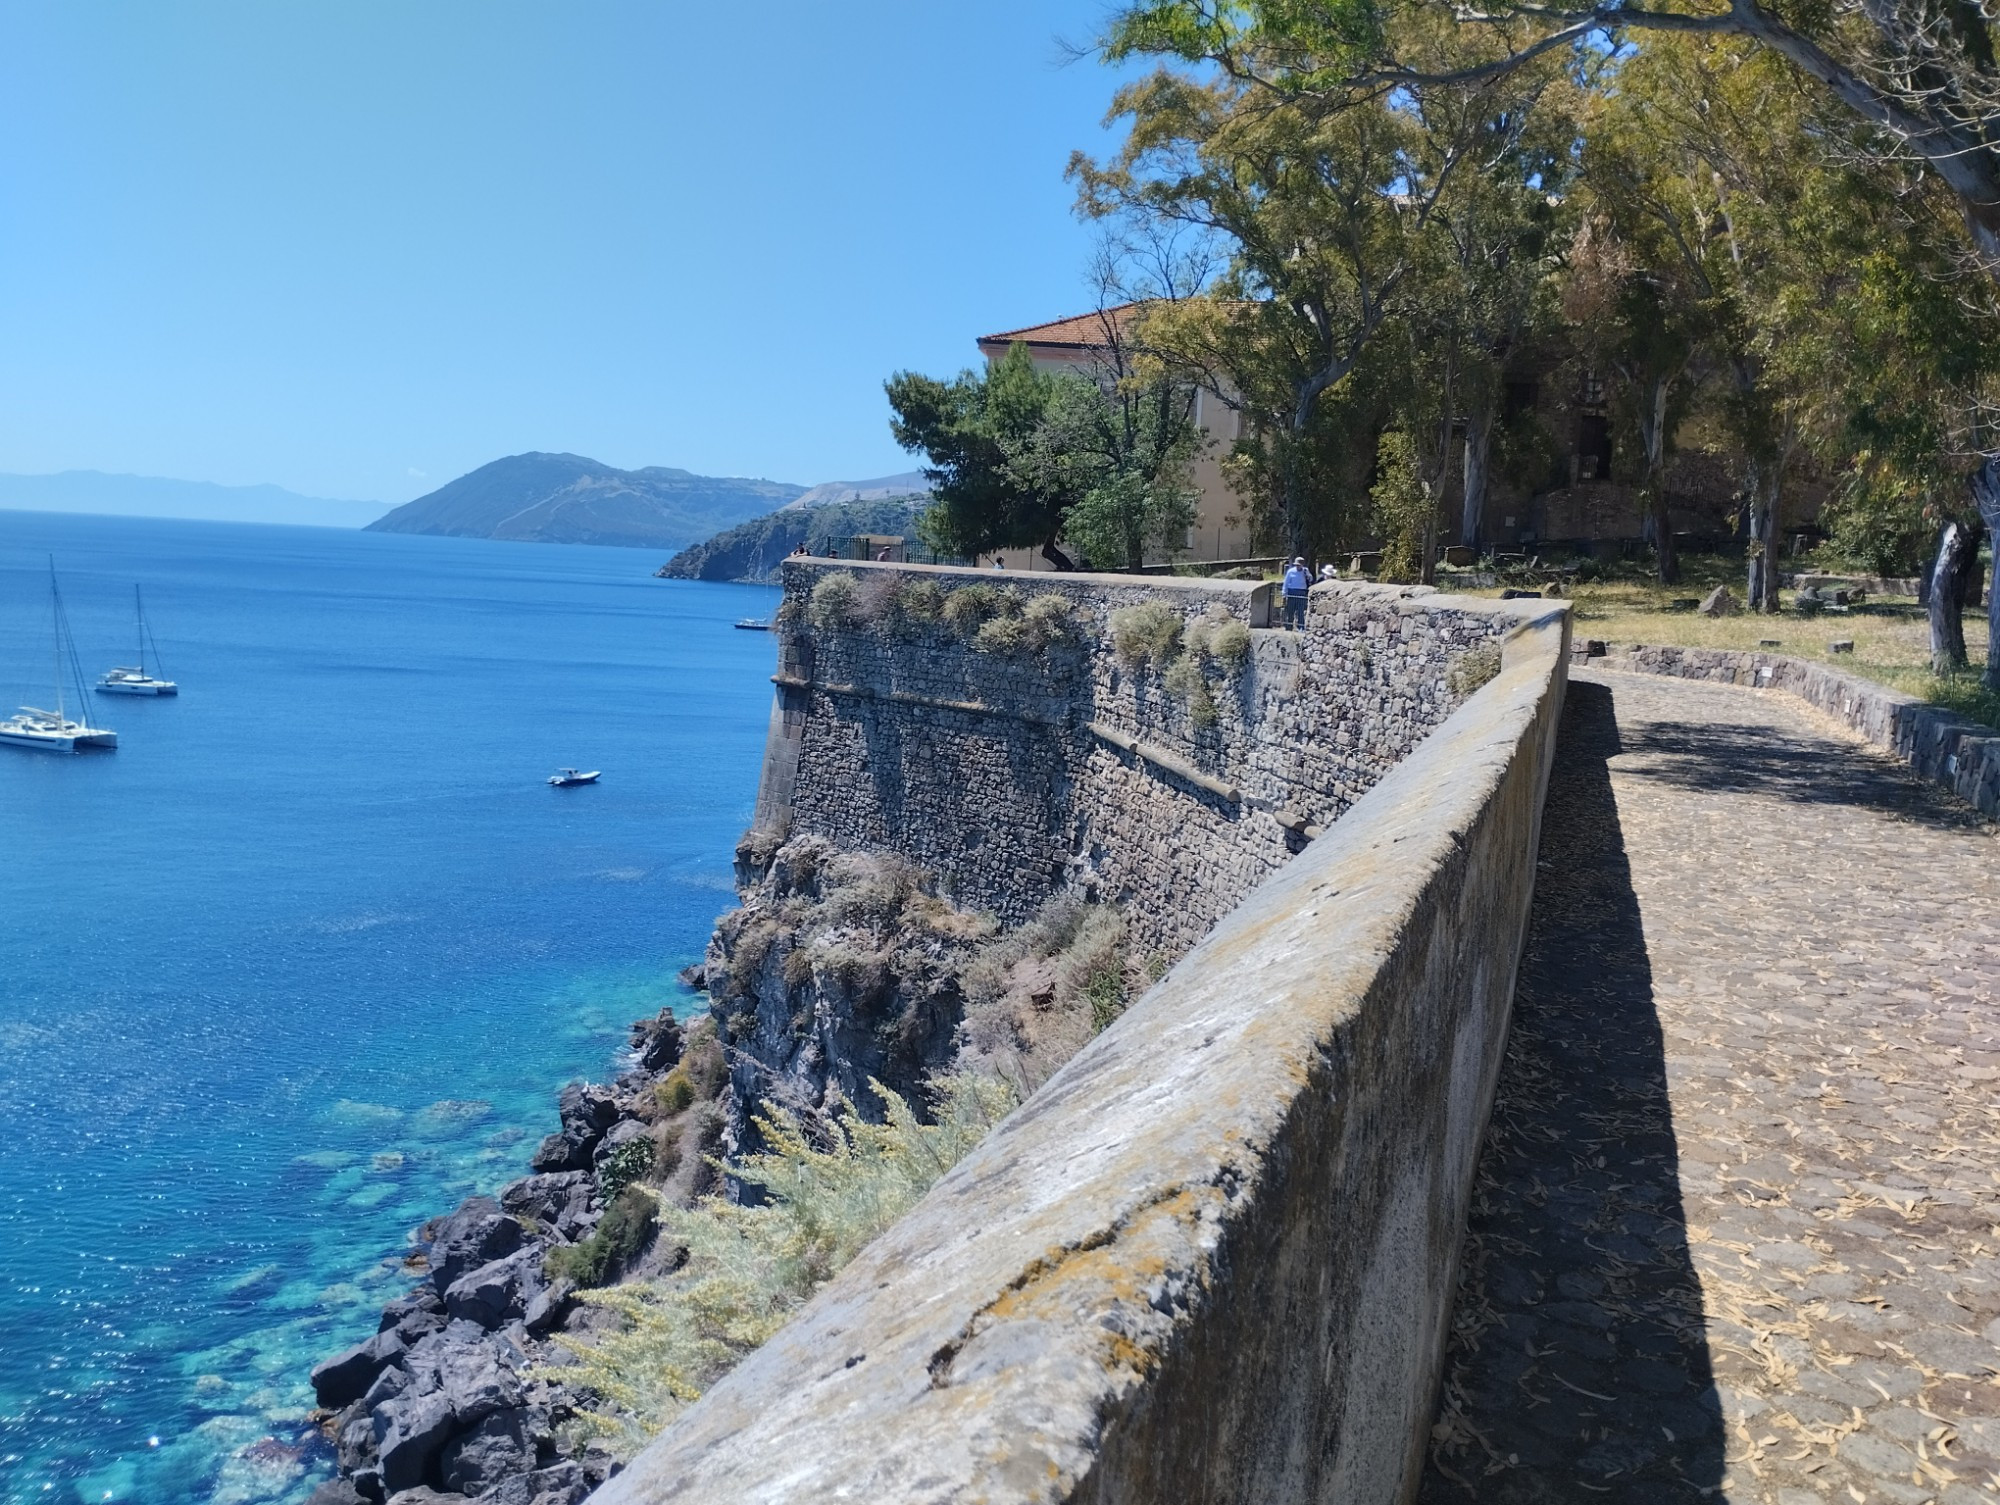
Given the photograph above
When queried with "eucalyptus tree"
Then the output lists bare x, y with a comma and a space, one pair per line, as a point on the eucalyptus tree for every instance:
1325, 206
1920, 82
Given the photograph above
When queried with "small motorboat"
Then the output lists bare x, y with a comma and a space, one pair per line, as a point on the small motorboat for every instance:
754, 624
567, 778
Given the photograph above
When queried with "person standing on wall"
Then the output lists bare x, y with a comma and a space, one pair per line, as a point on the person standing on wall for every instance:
1298, 581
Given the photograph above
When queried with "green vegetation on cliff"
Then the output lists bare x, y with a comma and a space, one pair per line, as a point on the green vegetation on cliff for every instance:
754, 550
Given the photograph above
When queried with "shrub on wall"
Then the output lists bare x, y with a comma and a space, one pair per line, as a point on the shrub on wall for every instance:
1220, 636
1472, 669
1044, 621
1147, 633
835, 603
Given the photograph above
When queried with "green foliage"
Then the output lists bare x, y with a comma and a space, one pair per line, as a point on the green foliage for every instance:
1403, 506
835, 603
754, 550
970, 428
1187, 678
625, 1165
1035, 995
627, 1227
748, 1268
920, 601
1147, 633
674, 1093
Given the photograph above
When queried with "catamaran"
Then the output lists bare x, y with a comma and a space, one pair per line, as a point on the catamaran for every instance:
138, 681
53, 731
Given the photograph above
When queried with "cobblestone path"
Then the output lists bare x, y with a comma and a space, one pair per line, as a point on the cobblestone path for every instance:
1737, 1228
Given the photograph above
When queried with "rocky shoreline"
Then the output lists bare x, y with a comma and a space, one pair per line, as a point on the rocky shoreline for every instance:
838, 971
450, 1401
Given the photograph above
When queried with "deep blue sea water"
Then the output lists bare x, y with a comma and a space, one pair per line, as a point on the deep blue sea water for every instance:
304, 961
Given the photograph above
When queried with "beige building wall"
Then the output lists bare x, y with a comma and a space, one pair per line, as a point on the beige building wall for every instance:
1217, 533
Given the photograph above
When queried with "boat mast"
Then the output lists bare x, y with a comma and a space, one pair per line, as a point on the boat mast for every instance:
55, 624
139, 615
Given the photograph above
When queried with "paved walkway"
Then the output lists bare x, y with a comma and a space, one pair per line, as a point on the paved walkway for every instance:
1737, 1229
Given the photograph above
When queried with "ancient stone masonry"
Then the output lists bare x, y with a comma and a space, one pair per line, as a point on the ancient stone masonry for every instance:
1211, 1259
1013, 773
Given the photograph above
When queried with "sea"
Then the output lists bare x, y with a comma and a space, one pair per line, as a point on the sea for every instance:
306, 959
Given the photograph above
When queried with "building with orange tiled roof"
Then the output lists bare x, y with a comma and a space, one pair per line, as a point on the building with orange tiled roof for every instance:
1086, 344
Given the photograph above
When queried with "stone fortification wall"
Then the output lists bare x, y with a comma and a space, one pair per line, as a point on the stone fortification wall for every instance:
1013, 773
1940, 745
1213, 1259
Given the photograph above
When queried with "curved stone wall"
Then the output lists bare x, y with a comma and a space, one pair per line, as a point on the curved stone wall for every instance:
1011, 776
1213, 1259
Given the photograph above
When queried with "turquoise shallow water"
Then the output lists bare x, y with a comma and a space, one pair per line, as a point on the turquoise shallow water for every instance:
304, 961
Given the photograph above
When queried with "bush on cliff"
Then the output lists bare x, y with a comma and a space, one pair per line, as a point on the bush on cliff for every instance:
748, 1268
1035, 996
626, 1229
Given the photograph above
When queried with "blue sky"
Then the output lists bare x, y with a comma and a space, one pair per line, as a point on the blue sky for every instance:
357, 247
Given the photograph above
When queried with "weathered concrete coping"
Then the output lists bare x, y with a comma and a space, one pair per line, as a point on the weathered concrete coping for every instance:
1951, 750
1213, 1259
1165, 761
1410, 598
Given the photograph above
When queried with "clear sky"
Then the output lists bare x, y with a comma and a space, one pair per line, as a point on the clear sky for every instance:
358, 247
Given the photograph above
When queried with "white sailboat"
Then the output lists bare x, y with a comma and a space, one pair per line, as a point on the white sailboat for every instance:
54, 731
138, 681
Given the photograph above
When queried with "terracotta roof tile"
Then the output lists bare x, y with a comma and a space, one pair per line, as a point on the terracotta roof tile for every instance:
1082, 332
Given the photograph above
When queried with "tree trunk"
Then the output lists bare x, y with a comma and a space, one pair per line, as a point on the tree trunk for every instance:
1957, 553
1056, 556
1753, 584
1478, 452
1653, 433
1986, 496
1768, 555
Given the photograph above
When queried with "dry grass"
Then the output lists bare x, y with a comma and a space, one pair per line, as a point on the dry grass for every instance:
1891, 638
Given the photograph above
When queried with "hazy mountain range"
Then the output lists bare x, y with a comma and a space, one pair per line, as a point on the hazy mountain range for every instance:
156, 496
539, 498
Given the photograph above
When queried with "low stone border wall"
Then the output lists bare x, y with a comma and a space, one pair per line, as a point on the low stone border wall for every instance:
1941, 745
1214, 1258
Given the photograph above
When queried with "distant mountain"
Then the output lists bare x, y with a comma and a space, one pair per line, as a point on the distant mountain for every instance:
909, 483
157, 496
752, 550
540, 498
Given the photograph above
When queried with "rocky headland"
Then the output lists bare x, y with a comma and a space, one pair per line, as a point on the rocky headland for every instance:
840, 975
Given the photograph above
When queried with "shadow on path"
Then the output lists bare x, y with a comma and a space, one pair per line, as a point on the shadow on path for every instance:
1744, 758
1578, 1368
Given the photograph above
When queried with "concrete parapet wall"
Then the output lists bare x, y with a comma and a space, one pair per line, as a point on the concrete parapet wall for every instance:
1213, 1259
1014, 776
1948, 749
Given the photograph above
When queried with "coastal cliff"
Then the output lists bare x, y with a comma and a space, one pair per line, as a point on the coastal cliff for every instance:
842, 977
991, 814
